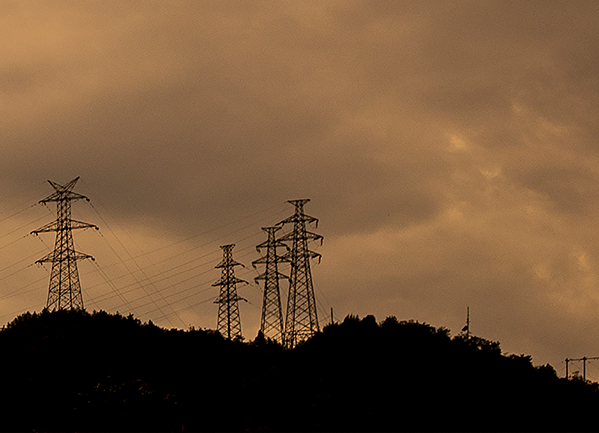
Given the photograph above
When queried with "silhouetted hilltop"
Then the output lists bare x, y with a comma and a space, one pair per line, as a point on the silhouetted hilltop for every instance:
73, 370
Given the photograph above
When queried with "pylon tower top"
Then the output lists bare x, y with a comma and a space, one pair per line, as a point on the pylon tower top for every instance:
64, 292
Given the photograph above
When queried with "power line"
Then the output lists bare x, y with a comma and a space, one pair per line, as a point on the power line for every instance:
169, 271
131, 272
132, 286
177, 271
246, 216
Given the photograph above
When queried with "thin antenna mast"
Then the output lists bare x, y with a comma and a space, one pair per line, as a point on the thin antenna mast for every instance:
467, 327
468, 323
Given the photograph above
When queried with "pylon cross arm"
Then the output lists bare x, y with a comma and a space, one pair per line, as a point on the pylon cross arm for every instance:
314, 237
81, 225
75, 255
315, 255
233, 280
63, 196
54, 227
50, 227
228, 263
299, 219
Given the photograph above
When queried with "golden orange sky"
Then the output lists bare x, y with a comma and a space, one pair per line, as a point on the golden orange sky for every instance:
449, 149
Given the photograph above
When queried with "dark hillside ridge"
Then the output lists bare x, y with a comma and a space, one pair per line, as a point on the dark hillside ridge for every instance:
78, 371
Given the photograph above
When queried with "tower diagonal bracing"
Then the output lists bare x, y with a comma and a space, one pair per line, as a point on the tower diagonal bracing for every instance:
228, 322
301, 320
271, 323
64, 292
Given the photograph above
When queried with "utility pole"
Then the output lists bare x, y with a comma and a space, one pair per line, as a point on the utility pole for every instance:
229, 322
271, 323
301, 321
64, 292
584, 360
468, 323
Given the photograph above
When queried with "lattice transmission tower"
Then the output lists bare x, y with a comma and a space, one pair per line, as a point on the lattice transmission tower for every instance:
229, 322
64, 291
301, 320
271, 323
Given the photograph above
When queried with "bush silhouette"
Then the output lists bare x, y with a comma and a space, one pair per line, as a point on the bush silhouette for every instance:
79, 371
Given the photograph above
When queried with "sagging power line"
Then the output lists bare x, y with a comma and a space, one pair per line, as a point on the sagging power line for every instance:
301, 319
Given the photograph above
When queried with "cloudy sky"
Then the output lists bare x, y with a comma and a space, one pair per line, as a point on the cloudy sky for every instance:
449, 149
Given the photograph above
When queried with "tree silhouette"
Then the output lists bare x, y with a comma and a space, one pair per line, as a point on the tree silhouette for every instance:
79, 371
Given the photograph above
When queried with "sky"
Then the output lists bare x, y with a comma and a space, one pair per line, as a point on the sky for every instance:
449, 149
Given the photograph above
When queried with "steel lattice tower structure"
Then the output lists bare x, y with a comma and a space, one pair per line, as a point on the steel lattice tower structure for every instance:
64, 292
301, 320
229, 322
271, 323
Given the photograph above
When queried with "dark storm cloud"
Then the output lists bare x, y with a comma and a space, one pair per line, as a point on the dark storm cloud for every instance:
449, 148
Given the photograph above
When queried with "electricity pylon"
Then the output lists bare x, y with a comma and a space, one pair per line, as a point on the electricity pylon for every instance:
64, 292
271, 323
229, 322
301, 321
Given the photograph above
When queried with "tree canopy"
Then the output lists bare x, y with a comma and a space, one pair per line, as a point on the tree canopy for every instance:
80, 371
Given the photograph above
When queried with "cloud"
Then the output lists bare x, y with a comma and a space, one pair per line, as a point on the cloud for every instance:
448, 148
